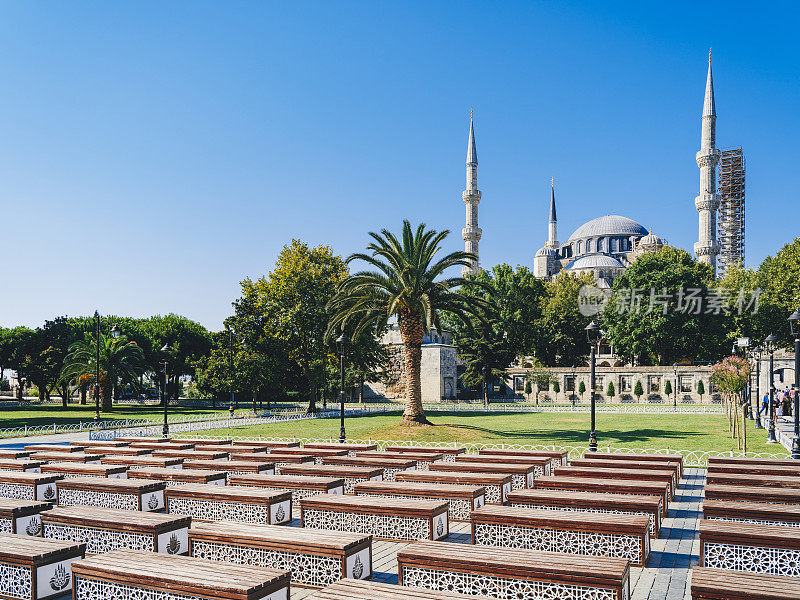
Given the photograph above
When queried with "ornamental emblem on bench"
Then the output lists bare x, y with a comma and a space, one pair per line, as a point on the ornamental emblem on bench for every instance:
358, 568
152, 503
49, 493
280, 514
439, 528
174, 545
34, 526
60, 578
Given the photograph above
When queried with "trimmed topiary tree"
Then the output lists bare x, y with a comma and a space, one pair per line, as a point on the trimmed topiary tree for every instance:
701, 389
528, 388
638, 390
668, 388
581, 389
611, 391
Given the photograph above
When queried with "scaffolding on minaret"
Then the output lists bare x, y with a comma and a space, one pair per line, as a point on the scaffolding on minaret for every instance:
730, 222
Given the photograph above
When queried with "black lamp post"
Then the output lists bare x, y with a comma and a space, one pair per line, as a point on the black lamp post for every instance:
230, 368
574, 386
769, 346
164, 395
756, 353
593, 335
675, 391
794, 324
115, 333
341, 345
97, 367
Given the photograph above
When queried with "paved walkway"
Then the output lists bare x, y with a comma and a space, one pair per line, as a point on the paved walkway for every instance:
666, 576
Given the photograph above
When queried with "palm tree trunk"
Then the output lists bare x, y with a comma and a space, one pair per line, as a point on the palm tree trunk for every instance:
411, 332
106, 398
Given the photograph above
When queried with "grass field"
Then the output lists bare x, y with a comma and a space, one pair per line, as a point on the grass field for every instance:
678, 432
47, 415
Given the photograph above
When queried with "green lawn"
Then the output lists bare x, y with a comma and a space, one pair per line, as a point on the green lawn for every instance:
47, 415
678, 432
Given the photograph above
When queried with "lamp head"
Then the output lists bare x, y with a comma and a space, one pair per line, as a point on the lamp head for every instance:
341, 343
593, 333
769, 343
794, 323
115, 332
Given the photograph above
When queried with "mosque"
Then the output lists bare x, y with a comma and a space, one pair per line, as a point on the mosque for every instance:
605, 246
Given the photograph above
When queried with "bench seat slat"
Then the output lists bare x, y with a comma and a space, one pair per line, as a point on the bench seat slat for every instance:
354, 589
756, 511
723, 584
622, 486
775, 495
180, 476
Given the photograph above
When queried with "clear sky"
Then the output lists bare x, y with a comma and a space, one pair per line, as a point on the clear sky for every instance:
153, 154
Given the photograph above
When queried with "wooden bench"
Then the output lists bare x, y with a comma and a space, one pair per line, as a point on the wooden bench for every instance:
678, 458
593, 534
126, 494
448, 453
21, 516
558, 458
232, 450
6, 453
351, 475
351, 448
317, 453
301, 486
121, 450
497, 485
25, 465
769, 549
28, 486
732, 469
163, 445
759, 513
422, 460
509, 573
131, 439
35, 568
665, 477
606, 486
633, 465
384, 518
180, 476
278, 461
315, 558
150, 575
774, 462
53, 448
231, 467
721, 584
522, 476
542, 463
389, 466
266, 443
463, 499
359, 589
78, 457
191, 454
208, 441
771, 495
572, 501
229, 503
106, 529
74, 469
143, 462
753, 480
102, 443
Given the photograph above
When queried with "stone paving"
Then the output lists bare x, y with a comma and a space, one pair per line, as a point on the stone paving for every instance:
666, 576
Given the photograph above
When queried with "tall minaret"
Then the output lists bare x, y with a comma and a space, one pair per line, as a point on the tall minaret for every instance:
707, 201
471, 196
552, 227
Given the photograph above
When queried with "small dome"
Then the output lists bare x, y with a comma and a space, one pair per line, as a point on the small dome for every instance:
546, 252
608, 225
651, 240
594, 261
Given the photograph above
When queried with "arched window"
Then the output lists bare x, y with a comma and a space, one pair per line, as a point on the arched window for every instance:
588, 246
600, 244
578, 250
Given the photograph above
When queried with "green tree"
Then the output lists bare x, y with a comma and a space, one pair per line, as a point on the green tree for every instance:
528, 388
668, 388
406, 283
611, 391
779, 277
701, 389
121, 362
638, 390
666, 331
581, 389
562, 335
541, 377
556, 386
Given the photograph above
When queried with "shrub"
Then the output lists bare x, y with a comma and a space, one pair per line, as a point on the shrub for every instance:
668, 387
610, 390
638, 390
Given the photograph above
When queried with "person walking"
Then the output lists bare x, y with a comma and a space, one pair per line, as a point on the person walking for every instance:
765, 406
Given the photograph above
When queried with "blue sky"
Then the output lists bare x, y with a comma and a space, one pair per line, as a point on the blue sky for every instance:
153, 154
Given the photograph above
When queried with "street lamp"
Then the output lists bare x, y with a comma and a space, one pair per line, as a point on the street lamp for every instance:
97, 367
166, 350
675, 391
574, 386
115, 331
794, 325
757, 353
341, 345
769, 346
593, 335
230, 367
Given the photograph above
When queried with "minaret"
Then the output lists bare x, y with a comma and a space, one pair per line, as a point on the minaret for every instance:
707, 201
471, 196
552, 227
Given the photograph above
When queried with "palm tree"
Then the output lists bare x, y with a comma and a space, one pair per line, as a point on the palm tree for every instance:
121, 362
403, 285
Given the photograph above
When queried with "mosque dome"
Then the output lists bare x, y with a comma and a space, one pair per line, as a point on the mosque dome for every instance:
608, 225
651, 240
546, 252
594, 261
